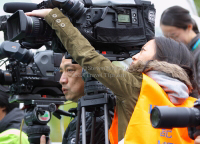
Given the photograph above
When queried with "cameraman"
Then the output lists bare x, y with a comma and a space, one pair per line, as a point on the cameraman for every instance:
162, 70
73, 89
10, 120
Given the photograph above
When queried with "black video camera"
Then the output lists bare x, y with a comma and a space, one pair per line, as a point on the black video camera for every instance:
34, 81
27, 73
170, 117
111, 26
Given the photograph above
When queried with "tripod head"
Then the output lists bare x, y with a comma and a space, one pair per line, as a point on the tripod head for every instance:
38, 112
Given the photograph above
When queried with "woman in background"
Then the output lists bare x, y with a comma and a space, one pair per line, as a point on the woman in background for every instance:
177, 23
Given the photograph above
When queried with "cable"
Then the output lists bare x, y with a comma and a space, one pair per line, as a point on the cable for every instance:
20, 139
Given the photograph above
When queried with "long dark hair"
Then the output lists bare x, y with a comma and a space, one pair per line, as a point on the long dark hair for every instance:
175, 52
178, 17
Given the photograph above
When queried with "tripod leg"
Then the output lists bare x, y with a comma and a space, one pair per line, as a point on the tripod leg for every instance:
93, 128
83, 126
78, 123
106, 123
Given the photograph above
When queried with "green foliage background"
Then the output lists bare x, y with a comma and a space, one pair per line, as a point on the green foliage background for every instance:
55, 124
197, 3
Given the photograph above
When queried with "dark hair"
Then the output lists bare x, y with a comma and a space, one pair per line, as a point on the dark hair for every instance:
4, 100
178, 17
175, 52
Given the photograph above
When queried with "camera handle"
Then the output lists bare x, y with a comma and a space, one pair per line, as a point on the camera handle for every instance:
38, 111
36, 118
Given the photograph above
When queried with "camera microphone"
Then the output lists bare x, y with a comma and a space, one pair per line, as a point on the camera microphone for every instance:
12, 7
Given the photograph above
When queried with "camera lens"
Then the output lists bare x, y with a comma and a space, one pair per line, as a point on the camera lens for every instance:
155, 117
38, 28
169, 117
32, 30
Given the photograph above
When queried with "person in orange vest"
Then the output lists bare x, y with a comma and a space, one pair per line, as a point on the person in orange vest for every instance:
163, 61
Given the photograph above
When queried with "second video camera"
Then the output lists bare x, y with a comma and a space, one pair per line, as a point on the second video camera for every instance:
31, 74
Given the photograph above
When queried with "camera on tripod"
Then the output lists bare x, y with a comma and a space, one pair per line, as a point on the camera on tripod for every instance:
34, 81
27, 73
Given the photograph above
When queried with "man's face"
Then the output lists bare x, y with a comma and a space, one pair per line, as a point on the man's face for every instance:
71, 80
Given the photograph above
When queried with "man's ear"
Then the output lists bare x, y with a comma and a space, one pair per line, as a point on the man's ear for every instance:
190, 27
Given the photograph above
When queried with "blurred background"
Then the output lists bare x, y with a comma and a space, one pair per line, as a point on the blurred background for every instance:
197, 4
58, 126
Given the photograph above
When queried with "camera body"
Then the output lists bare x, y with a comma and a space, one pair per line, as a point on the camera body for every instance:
31, 74
110, 26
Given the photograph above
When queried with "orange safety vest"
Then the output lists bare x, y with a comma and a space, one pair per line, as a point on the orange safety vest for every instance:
113, 131
140, 130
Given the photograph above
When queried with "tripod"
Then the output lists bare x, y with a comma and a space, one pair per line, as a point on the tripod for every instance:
96, 96
38, 114
96, 101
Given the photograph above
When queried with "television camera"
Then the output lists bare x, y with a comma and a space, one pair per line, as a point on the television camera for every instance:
109, 26
120, 28
34, 81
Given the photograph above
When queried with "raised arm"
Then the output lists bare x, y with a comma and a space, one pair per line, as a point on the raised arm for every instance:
119, 81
